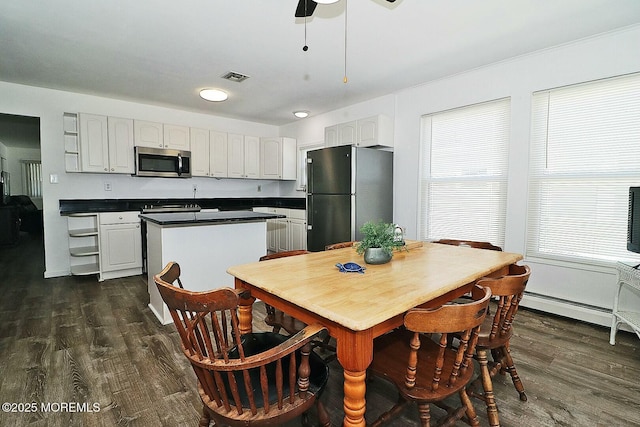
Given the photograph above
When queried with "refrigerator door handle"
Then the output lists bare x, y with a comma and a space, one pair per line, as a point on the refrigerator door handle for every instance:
309, 175
309, 213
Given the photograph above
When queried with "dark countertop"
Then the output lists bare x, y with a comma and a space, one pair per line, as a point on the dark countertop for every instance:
206, 218
71, 206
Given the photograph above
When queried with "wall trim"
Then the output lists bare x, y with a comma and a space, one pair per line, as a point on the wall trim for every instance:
565, 308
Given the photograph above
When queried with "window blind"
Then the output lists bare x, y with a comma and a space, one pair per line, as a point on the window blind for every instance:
32, 176
464, 173
585, 154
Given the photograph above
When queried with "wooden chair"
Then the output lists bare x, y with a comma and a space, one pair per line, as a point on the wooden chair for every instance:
425, 371
254, 379
495, 335
276, 318
469, 243
339, 245
279, 320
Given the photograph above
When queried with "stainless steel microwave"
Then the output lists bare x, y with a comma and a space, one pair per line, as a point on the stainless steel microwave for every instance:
164, 163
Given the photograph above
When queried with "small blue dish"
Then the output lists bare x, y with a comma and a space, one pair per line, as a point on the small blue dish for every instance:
350, 267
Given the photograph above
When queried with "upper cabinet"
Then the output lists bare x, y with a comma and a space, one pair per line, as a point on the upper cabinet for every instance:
243, 156
348, 133
376, 130
218, 154
159, 135
176, 137
367, 132
148, 134
208, 153
94, 149
199, 152
278, 158
120, 132
106, 144
101, 144
331, 136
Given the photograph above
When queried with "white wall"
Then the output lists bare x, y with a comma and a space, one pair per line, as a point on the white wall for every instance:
50, 105
594, 58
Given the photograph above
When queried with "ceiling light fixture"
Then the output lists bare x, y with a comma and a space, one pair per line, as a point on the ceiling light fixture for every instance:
326, 1
214, 95
301, 114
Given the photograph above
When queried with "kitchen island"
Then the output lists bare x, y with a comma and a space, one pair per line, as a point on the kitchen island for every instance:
205, 244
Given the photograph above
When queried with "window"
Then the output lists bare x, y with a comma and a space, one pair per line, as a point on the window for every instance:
302, 164
463, 188
585, 151
32, 178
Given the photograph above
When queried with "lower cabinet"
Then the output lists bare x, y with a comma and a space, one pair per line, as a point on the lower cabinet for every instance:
107, 244
120, 244
286, 234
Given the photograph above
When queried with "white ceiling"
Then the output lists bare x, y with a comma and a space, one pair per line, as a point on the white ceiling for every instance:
163, 52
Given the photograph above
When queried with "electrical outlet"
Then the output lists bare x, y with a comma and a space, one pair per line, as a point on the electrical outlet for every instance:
259, 188
195, 187
107, 186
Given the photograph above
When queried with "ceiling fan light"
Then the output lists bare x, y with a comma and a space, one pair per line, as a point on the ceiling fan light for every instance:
214, 95
301, 114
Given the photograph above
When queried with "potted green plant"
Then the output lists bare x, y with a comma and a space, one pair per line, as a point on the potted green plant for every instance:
379, 239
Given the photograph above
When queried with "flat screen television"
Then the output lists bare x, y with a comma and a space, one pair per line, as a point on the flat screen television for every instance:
633, 228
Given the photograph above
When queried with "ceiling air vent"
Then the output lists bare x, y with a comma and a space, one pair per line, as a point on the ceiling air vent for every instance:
235, 77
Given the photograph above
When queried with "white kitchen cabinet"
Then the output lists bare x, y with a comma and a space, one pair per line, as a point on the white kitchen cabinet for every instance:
120, 135
252, 157
218, 154
331, 136
348, 133
282, 233
278, 158
107, 244
120, 245
106, 144
200, 149
243, 160
208, 153
148, 134
272, 235
84, 244
341, 134
159, 135
368, 132
176, 137
375, 131
94, 148
297, 229
286, 234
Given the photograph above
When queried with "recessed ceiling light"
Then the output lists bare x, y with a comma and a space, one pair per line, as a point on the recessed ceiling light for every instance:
326, 1
301, 114
215, 95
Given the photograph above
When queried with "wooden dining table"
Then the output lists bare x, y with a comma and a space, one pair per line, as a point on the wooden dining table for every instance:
358, 307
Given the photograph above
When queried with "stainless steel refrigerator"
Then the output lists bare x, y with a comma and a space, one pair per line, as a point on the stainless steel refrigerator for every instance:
346, 187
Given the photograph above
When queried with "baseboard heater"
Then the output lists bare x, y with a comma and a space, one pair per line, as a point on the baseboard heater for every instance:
561, 307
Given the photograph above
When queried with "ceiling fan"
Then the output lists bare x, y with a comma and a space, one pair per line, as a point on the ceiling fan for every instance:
306, 7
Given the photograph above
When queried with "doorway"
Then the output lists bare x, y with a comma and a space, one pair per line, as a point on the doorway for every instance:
21, 170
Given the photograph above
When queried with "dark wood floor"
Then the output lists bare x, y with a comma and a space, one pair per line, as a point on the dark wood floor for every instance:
75, 340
